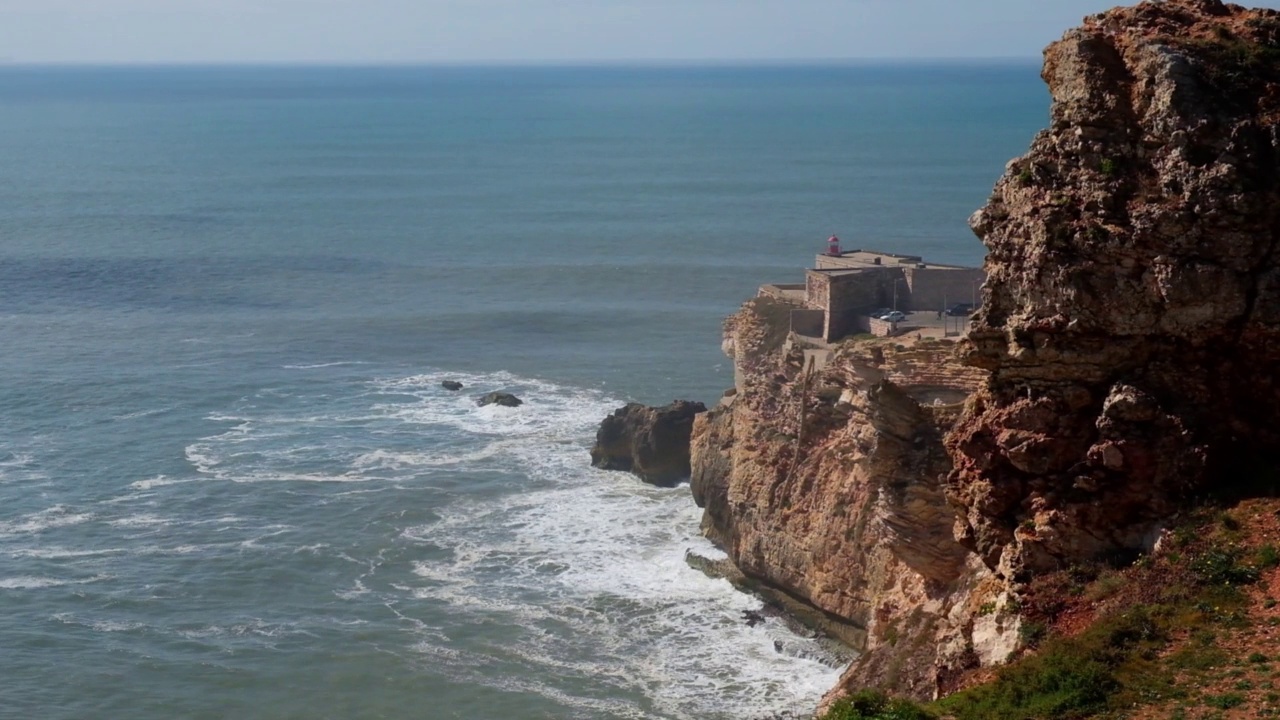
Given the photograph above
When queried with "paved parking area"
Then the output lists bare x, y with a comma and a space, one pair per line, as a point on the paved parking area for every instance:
930, 324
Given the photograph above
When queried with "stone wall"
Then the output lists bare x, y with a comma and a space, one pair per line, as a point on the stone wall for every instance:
809, 323
880, 328
781, 291
939, 288
848, 296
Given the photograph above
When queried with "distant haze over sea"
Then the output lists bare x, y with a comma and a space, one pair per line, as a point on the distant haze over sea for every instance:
230, 483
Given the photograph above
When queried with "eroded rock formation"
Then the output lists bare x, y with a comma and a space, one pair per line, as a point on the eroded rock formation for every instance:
1125, 359
650, 442
829, 485
1131, 320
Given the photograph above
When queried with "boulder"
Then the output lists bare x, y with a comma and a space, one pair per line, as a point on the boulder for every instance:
499, 398
650, 442
453, 385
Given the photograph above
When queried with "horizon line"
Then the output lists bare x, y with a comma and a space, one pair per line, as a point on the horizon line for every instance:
521, 63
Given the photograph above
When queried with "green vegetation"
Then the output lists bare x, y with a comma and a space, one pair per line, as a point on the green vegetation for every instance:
1109, 167
1268, 557
1158, 642
1221, 566
873, 705
1224, 702
1068, 678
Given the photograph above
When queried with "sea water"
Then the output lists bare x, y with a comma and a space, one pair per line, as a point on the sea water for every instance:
230, 482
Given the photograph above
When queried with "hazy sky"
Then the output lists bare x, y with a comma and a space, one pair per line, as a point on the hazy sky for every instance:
406, 31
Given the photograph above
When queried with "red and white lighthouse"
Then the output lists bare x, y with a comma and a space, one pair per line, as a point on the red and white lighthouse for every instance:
833, 245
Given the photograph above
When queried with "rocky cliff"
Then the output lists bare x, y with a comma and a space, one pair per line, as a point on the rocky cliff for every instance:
1131, 321
830, 486
1123, 363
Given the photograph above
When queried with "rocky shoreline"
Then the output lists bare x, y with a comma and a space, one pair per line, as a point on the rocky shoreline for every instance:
1124, 362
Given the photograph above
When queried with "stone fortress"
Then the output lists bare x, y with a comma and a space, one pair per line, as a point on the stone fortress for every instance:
845, 286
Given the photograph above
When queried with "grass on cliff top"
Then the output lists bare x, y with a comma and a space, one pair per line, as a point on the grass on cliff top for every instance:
1182, 634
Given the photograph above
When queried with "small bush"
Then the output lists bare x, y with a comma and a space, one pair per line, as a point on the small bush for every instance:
1108, 167
1268, 557
1107, 585
1031, 633
1229, 523
1225, 701
1217, 566
1257, 658
875, 705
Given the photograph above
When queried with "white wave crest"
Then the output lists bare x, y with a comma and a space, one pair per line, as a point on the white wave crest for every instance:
35, 582
317, 366
155, 482
50, 518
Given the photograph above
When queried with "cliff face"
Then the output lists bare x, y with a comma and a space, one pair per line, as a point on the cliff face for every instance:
1126, 358
1131, 320
829, 485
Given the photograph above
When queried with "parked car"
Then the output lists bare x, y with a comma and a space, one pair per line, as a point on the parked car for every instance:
960, 309
878, 313
894, 316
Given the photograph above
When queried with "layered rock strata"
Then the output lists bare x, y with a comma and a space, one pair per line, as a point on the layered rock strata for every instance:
829, 485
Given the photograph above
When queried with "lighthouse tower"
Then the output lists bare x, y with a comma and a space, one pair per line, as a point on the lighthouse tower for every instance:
833, 246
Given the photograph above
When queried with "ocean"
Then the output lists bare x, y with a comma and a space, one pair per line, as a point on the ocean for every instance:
230, 482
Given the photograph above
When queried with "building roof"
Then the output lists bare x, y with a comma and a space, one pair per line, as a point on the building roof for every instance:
871, 259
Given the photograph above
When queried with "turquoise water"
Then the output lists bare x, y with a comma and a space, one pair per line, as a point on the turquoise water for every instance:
230, 484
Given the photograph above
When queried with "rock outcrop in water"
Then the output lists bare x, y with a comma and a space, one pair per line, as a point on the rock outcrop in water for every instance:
1125, 358
499, 398
1131, 320
650, 442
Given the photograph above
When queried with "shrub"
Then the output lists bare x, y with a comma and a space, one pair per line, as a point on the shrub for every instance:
1217, 566
1032, 633
1069, 677
1225, 701
1268, 557
875, 705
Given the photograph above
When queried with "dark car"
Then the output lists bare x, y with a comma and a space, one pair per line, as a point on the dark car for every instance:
960, 309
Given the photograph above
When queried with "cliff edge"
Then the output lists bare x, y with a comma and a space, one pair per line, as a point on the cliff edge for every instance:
1130, 325
1123, 364
828, 484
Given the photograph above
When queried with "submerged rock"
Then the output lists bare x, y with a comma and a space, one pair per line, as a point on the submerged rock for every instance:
650, 442
453, 385
499, 398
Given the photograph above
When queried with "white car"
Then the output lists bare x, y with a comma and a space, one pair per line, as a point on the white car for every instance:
894, 316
